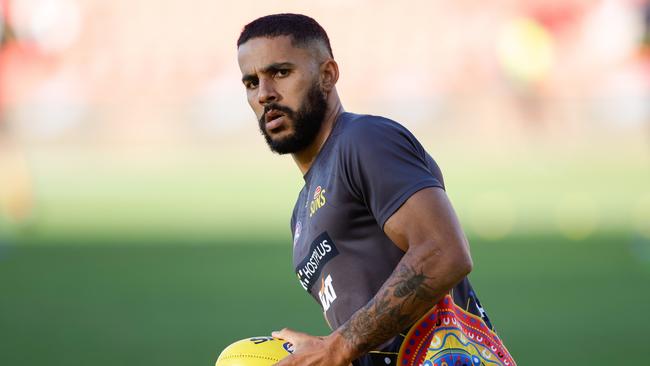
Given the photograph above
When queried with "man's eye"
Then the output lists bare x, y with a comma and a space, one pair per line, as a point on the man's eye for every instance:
282, 73
250, 85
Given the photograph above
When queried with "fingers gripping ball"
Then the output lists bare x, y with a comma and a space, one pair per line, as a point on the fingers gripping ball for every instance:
256, 351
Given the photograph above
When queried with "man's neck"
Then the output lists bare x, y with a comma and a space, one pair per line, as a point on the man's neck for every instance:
305, 158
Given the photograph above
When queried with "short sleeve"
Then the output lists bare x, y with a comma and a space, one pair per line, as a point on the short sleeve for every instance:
384, 165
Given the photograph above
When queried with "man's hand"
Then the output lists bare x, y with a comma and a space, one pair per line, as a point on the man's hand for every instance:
313, 351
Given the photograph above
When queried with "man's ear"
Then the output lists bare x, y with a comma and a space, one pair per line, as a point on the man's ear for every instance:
329, 75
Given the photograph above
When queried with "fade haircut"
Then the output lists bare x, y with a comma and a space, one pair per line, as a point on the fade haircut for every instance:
303, 30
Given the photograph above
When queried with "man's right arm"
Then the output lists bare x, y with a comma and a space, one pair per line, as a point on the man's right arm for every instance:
436, 259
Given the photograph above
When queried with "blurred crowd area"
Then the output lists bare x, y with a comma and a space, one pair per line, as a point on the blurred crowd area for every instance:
114, 76
95, 69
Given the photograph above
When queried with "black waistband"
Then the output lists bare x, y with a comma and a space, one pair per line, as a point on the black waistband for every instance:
387, 355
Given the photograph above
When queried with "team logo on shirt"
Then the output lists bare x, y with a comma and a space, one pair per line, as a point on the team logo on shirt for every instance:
327, 295
321, 251
318, 201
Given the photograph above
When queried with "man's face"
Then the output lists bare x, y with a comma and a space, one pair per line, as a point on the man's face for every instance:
282, 88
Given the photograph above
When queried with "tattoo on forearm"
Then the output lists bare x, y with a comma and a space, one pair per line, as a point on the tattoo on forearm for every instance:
398, 304
411, 282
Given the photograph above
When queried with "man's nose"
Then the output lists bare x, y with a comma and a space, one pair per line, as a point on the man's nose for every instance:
267, 92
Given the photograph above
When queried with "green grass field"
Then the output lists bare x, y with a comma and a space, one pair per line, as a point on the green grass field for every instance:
553, 301
164, 259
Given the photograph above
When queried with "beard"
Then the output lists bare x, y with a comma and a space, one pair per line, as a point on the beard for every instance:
307, 122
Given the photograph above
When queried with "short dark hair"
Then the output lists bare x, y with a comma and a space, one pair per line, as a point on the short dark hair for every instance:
302, 29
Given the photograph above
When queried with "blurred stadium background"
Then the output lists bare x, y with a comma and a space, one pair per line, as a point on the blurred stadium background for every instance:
143, 220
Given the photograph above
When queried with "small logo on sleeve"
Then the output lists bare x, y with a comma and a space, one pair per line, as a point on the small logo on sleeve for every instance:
321, 251
318, 201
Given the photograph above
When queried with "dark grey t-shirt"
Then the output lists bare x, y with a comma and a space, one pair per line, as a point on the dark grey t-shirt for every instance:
368, 167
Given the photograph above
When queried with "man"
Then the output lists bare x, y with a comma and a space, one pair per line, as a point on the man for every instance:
376, 241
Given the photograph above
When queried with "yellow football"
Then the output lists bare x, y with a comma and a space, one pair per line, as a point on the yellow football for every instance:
256, 351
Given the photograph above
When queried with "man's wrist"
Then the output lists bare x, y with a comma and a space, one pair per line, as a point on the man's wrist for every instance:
341, 349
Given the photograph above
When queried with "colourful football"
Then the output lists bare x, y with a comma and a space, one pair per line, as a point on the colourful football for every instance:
256, 351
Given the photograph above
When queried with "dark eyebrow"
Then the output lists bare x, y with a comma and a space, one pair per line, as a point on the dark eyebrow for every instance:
248, 78
272, 68
278, 66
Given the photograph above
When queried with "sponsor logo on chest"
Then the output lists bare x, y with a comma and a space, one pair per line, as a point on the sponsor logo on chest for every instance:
321, 251
327, 295
318, 201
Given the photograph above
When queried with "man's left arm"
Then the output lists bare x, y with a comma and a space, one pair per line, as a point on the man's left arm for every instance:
436, 258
